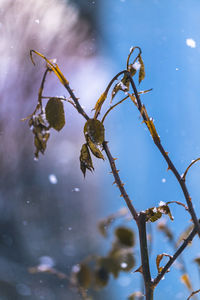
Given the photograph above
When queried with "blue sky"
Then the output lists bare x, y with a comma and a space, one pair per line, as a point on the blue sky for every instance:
161, 29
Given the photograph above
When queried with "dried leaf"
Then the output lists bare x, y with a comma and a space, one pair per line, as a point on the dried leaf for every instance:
115, 90
94, 129
155, 213
164, 209
185, 279
125, 236
142, 70
126, 260
84, 276
163, 227
123, 85
137, 294
99, 104
101, 277
133, 99
104, 224
152, 130
110, 265
55, 113
197, 260
41, 133
158, 260
132, 49
132, 70
94, 149
85, 159
184, 234
53, 67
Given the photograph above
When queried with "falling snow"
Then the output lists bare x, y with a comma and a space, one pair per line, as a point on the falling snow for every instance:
191, 43
76, 190
124, 265
163, 180
53, 179
76, 268
46, 263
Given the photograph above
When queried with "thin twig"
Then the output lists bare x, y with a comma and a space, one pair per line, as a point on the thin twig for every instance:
131, 52
113, 106
121, 101
42, 87
179, 203
192, 163
174, 257
193, 293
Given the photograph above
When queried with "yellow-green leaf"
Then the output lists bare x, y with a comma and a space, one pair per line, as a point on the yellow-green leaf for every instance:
125, 236
155, 213
152, 214
126, 261
85, 159
122, 259
99, 104
94, 129
53, 67
94, 149
55, 113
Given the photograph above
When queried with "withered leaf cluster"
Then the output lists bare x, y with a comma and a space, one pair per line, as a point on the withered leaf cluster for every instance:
94, 134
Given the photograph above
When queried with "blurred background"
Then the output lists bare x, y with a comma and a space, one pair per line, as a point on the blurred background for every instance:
48, 211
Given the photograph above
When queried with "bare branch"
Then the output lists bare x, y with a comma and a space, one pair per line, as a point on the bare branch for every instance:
168, 160
174, 257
